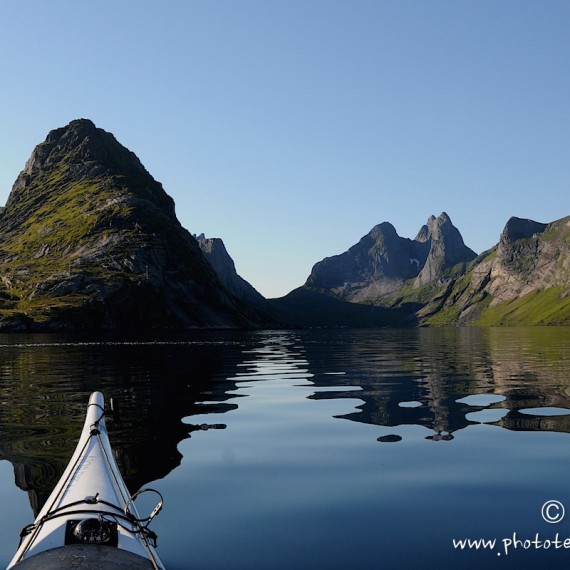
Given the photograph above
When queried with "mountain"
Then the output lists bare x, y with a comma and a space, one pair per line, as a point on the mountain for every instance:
88, 239
523, 280
386, 280
379, 265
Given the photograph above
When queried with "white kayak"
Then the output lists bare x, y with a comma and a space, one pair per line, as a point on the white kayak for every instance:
89, 520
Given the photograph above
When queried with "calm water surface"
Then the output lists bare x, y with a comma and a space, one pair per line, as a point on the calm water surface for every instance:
334, 449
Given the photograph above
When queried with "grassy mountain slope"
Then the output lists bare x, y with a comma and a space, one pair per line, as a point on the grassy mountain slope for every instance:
524, 280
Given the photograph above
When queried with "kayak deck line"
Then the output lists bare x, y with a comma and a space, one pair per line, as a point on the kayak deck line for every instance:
90, 516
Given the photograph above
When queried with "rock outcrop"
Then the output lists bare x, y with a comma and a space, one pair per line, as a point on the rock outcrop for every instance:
216, 253
88, 239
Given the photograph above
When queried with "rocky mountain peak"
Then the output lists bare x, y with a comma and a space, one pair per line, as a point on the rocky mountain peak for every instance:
423, 235
435, 228
446, 249
438, 226
88, 238
78, 129
383, 230
382, 261
78, 142
519, 246
80, 155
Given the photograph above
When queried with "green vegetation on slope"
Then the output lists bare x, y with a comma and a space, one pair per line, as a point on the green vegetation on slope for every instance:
88, 236
548, 307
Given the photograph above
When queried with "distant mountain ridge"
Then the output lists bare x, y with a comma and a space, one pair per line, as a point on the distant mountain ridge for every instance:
88, 239
436, 280
382, 262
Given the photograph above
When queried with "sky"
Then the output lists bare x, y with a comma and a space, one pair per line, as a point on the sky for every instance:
289, 128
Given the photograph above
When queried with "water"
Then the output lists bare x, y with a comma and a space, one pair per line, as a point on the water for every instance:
333, 449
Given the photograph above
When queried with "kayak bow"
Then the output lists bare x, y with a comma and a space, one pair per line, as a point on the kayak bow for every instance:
90, 519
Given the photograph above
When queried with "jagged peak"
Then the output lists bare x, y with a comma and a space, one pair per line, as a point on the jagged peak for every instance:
520, 228
83, 126
81, 141
442, 219
383, 229
433, 227
75, 156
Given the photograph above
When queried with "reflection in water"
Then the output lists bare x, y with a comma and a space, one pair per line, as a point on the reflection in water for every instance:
45, 382
278, 392
281, 465
437, 368
443, 379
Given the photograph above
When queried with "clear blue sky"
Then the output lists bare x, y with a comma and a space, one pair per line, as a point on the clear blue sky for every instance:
290, 128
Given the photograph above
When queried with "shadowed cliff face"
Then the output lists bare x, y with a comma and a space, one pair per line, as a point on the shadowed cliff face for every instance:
88, 239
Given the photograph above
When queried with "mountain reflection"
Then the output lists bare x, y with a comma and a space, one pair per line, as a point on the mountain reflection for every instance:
45, 384
403, 377
433, 368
